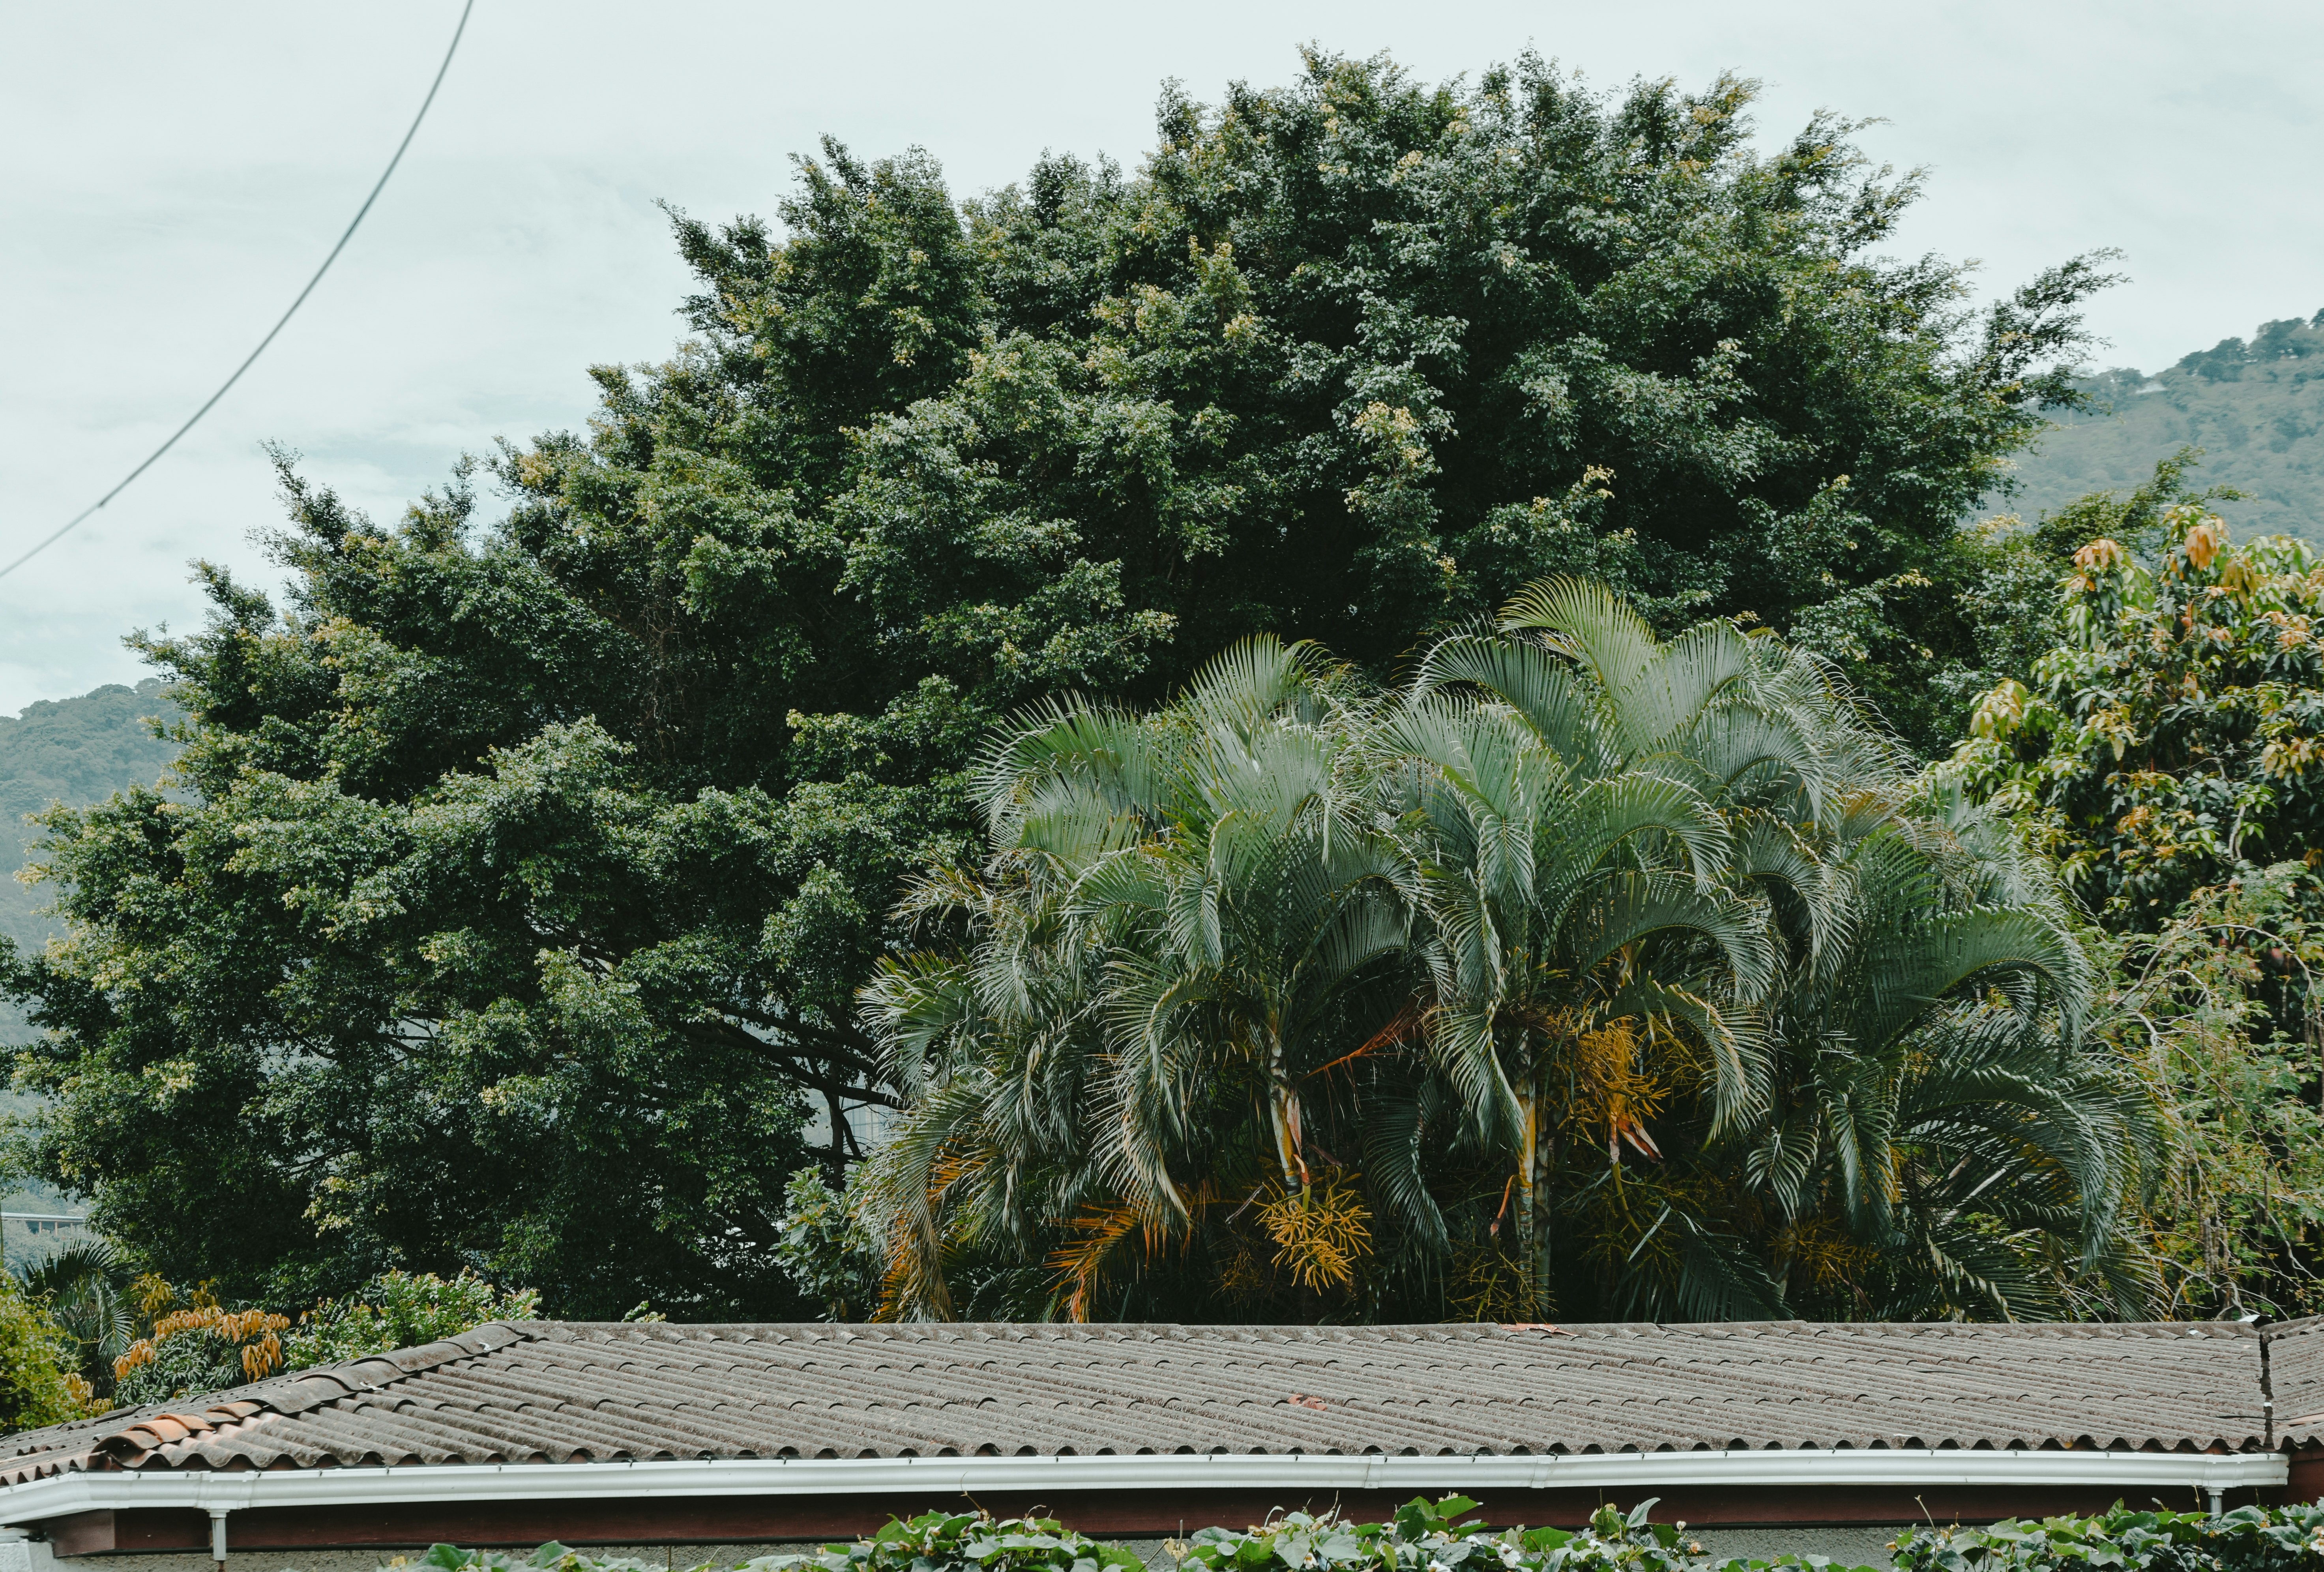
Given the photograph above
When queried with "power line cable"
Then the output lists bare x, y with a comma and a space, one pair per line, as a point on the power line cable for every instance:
211, 402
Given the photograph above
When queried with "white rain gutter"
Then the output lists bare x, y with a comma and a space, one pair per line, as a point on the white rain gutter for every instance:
219, 1492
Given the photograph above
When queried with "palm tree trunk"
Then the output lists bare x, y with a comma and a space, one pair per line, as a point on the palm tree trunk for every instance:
1283, 1110
1528, 1241
1537, 1194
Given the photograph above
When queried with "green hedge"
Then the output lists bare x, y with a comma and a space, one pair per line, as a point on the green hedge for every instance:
1424, 1536
1438, 1537
2249, 1538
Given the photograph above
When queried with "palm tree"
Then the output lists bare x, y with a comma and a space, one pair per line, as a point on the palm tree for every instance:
1833, 935
1603, 829
1573, 891
88, 1289
1934, 1107
1568, 896
1212, 889
992, 1046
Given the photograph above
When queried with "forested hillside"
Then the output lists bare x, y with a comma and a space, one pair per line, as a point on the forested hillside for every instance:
76, 752
2255, 409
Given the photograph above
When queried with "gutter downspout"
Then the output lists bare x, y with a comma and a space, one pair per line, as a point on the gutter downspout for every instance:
2266, 1389
218, 1530
20, 1552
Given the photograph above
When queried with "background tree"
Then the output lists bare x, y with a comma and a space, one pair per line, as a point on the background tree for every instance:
2171, 740
2197, 1010
510, 910
2165, 751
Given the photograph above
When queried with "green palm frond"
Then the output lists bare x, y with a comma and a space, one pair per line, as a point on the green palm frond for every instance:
1535, 683
1686, 679
1908, 967
1588, 619
1396, 1138
1630, 908
1608, 813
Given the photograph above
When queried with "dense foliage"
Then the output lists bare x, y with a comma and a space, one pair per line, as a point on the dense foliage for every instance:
511, 913
2277, 1538
2254, 408
1441, 1535
38, 1382
834, 1256
131, 1338
401, 1309
1423, 1537
2216, 1014
963, 1540
2166, 752
2174, 740
202, 1349
203, 1346
1585, 975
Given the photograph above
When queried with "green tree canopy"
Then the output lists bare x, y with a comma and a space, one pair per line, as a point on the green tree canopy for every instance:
525, 866
2166, 750
2174, 738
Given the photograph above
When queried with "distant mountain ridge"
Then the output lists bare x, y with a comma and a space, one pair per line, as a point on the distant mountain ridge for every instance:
74, 751
77, 752
2257, 409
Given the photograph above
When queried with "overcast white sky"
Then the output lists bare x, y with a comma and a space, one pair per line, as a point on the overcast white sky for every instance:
172, 173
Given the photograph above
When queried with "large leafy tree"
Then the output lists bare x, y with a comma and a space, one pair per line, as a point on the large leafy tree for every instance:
522, 868
2172, 739
2167, 746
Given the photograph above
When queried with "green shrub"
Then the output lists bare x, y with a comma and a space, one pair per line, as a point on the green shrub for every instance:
1423, 1537
2247, 1540
935, 1540
38, 1385
1426, 1537
401, 1309
956, 1541
203, 1349
186, 1366
832, 1256
1438, 1537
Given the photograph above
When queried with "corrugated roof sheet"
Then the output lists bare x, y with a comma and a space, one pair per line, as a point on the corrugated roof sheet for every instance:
572, 1391
2296, 1380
